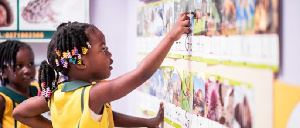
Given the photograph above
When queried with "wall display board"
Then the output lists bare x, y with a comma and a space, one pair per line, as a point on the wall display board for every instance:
36, 20
219, 75
230, 32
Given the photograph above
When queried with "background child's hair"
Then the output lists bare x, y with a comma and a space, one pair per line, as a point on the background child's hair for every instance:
68, 43
8, 52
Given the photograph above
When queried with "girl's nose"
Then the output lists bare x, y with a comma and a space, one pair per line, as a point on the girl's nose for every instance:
28, 69
108, 53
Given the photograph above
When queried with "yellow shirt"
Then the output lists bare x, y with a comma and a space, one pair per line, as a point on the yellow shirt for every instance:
70, 109
12, 100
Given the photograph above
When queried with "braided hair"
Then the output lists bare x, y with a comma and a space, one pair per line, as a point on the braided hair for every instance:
68, 43
8, 52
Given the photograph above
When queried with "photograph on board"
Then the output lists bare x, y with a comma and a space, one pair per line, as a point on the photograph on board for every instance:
245, 13
266, 16
168, 74
226, 103
163, 79
48, 14
8, 14
243, 110
200, 17
199, 95
227, 11
177, 93
187, 92
156, 19
168, 16
211, 98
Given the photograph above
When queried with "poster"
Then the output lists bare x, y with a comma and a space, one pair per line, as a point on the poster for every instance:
36, 20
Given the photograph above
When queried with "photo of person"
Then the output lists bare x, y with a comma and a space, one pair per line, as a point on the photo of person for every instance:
243, 110
245, 12
6, 13
199, 95
187, 92
226, 103
266, 16
176, 82
211, 98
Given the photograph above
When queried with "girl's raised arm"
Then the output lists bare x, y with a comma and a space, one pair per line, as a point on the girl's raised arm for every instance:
121, 86
29, 112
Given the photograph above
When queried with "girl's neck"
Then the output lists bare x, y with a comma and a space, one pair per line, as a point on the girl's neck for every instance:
80, 78
24, 91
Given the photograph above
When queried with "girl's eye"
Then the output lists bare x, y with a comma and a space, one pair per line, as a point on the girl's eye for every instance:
18, 66
104, 49
31, 64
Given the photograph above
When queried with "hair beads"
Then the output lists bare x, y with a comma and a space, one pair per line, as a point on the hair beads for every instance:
71, 57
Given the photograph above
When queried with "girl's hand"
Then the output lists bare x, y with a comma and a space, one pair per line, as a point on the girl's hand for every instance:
181, 27
154, 122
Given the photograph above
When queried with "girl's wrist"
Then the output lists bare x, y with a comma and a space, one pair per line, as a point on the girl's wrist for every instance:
168, 38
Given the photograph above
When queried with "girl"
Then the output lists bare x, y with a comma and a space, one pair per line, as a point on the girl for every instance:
17, 70
79, 51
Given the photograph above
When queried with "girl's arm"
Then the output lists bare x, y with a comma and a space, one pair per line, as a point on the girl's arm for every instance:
29, 112
2, 108
121, 86
122, 120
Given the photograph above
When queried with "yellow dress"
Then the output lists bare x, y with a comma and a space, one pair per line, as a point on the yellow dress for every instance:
70, 109
12, 100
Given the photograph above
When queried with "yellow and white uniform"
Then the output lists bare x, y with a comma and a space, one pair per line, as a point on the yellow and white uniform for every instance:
12, 100
70, 108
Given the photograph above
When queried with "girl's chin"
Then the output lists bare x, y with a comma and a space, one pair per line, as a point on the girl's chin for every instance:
27, 81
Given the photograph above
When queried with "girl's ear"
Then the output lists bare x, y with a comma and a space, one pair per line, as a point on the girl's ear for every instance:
80, 66
83, 64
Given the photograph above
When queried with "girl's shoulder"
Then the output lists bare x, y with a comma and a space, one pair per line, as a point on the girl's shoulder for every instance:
6, 92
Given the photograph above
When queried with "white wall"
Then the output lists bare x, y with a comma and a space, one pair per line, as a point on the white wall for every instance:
290, 72
117, 20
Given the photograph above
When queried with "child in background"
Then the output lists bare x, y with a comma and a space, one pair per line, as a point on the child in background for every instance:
79, 51
17, 70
